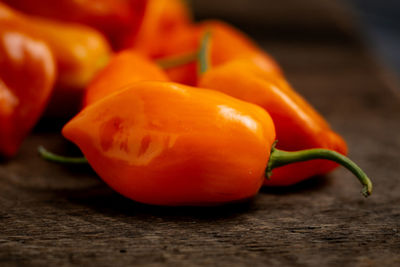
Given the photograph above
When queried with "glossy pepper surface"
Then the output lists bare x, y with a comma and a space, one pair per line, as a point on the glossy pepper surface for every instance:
227, 44
124, 69
168, 144
27, 74
298, 125
79, 52
118, 20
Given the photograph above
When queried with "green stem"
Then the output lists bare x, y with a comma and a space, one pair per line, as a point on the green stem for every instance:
44, 153
280, 158
203, 60
201, 56
176, 61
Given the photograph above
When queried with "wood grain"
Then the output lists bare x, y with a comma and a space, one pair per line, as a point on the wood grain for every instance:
60, 215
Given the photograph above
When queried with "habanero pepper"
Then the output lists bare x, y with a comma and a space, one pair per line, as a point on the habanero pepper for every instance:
298, 125
27, 75
128, 67
162, 20
80, 52
124, 69
118, 20
227, 44
168, 144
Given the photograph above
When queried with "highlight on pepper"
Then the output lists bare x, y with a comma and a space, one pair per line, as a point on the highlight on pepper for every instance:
187, 146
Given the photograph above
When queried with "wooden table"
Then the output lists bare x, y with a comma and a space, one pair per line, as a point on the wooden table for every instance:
60, 215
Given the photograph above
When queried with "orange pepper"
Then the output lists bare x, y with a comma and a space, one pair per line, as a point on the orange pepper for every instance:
298, 125
118, 20
80, 52
27, 74
128, 67
227, 44
124, 69
162, 20
168, 144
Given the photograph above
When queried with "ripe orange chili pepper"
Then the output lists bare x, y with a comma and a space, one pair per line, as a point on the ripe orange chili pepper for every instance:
227, 44
27, 74
162, 20
128, 67
118, 20
124, 69
80, 52
298, 125
168, 144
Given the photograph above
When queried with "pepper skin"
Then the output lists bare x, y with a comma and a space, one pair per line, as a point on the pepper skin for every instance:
298, 125
124, 69
27, 74
162, 20
227, 44
168, 144
118, 20
80, 52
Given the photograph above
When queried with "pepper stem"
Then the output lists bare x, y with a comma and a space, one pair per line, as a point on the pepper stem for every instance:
176, 61
280, 158
203, 58
47, 155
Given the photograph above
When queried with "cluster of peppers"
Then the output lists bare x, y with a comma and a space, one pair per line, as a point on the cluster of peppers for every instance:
183, 113
51, 51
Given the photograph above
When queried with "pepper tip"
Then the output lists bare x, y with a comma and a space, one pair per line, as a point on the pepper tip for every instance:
367, 191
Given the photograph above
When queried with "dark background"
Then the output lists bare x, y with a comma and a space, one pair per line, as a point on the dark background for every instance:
380, 23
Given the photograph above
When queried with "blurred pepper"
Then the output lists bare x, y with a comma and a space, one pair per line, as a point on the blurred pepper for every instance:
227, 44
298, 125
118, 20
125, 68
162, 20
168, 144
128, 67
80, 53
27, 74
